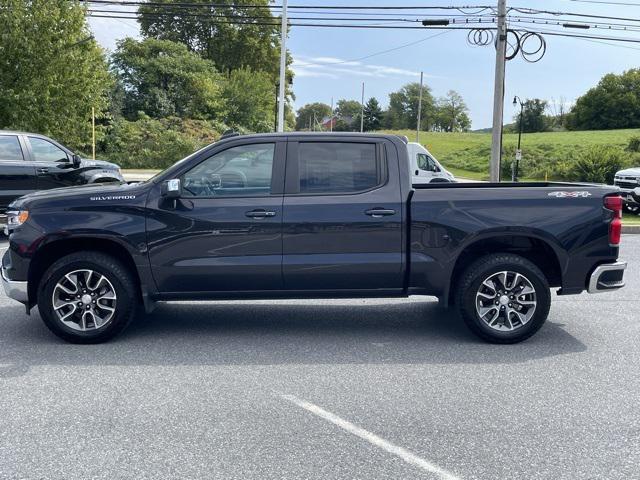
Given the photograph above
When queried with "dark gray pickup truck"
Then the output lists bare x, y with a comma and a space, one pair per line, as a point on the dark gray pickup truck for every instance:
307, 216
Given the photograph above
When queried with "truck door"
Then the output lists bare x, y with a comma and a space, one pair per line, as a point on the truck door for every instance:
343, 215
17, 176
225, 232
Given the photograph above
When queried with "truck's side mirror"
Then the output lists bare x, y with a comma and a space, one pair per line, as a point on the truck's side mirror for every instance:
171, 188
76, 160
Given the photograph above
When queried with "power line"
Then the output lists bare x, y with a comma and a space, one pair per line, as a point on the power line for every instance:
262, 17
323, 64
533, 11
315, 7
274, 23
601, 2
178, 10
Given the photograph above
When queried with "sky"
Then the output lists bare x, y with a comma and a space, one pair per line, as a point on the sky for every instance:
326, 65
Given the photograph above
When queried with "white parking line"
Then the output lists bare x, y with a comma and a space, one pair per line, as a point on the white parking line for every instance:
372, 438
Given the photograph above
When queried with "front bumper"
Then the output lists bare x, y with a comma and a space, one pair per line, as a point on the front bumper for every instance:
18, 290
606, 277
630, 196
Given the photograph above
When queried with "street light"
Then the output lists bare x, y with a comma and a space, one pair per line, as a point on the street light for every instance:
516, 164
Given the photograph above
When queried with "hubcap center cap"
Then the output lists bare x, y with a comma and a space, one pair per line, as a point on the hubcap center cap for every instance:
504, 300
86, 299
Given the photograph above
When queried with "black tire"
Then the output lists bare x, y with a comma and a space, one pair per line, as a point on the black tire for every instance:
469, 284
119, 277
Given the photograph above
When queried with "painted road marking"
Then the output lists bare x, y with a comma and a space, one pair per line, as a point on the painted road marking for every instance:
372, 438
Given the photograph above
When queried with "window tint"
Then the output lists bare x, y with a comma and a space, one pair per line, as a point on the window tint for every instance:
238, 171
337, 167
425, 162
10, 148
45, 151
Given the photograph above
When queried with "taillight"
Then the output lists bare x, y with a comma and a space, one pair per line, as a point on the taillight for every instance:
614, 203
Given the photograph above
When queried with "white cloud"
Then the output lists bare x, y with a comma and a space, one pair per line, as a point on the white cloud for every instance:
332, 67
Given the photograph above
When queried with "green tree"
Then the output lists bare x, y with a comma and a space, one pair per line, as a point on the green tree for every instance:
163, 78
403, 108
310, 112
452, 114
533, 116
209, 31
613, 103
52, 72
249, 100
372, 115
156, 143
348, 113
394, 118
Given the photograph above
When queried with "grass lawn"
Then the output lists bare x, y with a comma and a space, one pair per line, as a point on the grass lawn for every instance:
467, 154
630, 219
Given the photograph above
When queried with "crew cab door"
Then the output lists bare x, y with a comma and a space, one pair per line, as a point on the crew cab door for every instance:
343, 215
17, 175
53, 164
225, 232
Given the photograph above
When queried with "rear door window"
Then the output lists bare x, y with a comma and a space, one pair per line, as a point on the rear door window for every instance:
10, 148
335, 167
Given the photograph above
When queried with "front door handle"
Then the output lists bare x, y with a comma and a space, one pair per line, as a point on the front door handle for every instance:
260, 213
380, 212
42, 170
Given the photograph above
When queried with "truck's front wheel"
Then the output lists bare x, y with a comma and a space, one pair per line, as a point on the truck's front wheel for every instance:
87, 297
503, 298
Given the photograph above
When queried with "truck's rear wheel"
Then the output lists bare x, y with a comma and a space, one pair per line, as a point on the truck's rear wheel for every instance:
87, 297
503, 298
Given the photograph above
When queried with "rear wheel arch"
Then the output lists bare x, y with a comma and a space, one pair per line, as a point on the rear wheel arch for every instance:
535, 249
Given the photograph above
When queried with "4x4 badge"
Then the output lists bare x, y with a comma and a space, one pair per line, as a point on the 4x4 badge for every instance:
577, 194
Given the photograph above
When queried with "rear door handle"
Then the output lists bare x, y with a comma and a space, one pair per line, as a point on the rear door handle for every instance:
380, 212
260, 213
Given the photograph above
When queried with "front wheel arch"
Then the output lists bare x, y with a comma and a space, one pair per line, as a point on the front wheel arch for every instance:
50, 252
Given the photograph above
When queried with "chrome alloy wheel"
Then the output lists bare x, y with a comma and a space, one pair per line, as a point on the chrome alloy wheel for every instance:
84, 300
506, 301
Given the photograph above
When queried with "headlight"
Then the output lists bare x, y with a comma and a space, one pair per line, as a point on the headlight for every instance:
16, 218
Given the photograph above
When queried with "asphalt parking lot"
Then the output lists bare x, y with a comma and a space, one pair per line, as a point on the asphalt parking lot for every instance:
347, 389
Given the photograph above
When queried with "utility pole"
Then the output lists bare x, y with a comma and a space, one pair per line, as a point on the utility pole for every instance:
362, 110
516, 164
283, 66
419, 110
93, 133
275, 108
498, 92
331, 117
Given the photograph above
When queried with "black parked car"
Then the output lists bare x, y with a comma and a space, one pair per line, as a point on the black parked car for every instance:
30, 162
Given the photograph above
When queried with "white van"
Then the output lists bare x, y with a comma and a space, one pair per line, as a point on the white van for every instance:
424, 167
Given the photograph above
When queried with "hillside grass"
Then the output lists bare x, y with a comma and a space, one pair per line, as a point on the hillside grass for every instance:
630, 219
545, 155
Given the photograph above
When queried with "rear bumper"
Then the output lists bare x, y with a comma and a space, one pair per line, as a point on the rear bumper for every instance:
18, 290
606, 277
